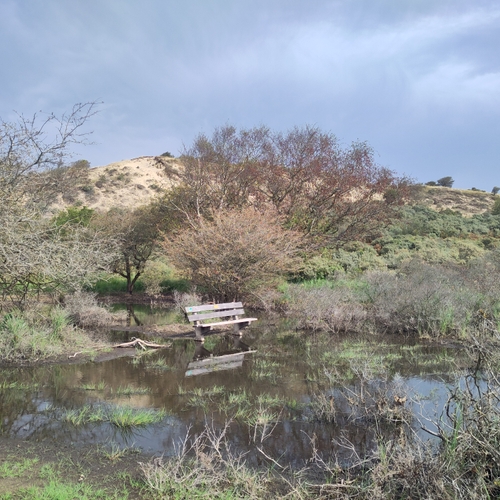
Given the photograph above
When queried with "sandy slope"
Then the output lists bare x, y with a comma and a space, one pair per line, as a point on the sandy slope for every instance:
126, 184
465, 201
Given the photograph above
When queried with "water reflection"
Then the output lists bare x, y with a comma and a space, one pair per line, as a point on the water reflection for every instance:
145, 315
270, 363
205, 361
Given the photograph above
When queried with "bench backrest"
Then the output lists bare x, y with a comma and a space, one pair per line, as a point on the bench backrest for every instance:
210, 311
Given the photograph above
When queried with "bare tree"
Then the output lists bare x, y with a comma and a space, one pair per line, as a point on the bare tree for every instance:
219, 173
35, 254
33, 153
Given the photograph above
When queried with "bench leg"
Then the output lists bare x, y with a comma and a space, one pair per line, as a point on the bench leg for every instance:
238, 328
200, 330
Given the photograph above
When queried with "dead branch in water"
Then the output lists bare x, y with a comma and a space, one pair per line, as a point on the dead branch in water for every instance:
142, 343
134, 342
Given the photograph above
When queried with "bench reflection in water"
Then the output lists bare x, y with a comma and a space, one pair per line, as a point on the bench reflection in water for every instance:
204, 361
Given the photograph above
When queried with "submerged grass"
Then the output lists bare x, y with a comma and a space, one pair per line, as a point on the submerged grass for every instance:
122, 417
100, 386
19, 386
157, 364
130, 390
265, 369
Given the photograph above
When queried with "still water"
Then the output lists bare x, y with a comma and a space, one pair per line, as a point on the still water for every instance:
278, 389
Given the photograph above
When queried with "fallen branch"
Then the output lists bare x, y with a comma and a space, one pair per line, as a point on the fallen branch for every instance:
133, 343
142, 343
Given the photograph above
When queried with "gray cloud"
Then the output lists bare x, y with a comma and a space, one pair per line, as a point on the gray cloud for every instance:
419, 79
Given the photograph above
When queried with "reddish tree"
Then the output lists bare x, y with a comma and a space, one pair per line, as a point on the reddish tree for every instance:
329, 192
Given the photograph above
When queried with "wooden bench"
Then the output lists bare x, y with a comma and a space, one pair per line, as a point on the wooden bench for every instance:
202, 317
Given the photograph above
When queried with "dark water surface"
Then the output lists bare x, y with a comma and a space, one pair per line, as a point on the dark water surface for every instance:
270, 397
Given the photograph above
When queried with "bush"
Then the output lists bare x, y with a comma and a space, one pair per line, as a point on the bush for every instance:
324, 308
496, 208
235, 255
434, 300
154, 274
445, 181
84, 310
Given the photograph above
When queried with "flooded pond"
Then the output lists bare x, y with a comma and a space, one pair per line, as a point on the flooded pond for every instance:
278, 390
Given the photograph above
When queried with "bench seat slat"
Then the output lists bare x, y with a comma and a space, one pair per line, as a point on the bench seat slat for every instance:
214, 307
230, 322
215, 314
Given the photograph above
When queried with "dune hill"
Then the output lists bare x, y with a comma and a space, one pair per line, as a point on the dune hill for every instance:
132, 183
123, 184
466, 201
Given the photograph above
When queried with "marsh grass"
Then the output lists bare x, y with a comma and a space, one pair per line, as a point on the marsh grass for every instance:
265, 369
38, 332
122, 417
205, 466
130, 390
100, 386
159, 364
125, 417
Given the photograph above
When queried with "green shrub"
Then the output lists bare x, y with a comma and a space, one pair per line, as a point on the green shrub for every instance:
496, 208
87, 189
319, 266
114, 284
74, 216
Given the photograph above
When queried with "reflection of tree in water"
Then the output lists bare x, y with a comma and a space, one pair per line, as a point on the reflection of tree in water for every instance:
131, 315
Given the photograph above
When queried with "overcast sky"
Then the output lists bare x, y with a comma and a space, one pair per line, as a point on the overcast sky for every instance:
417, 79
